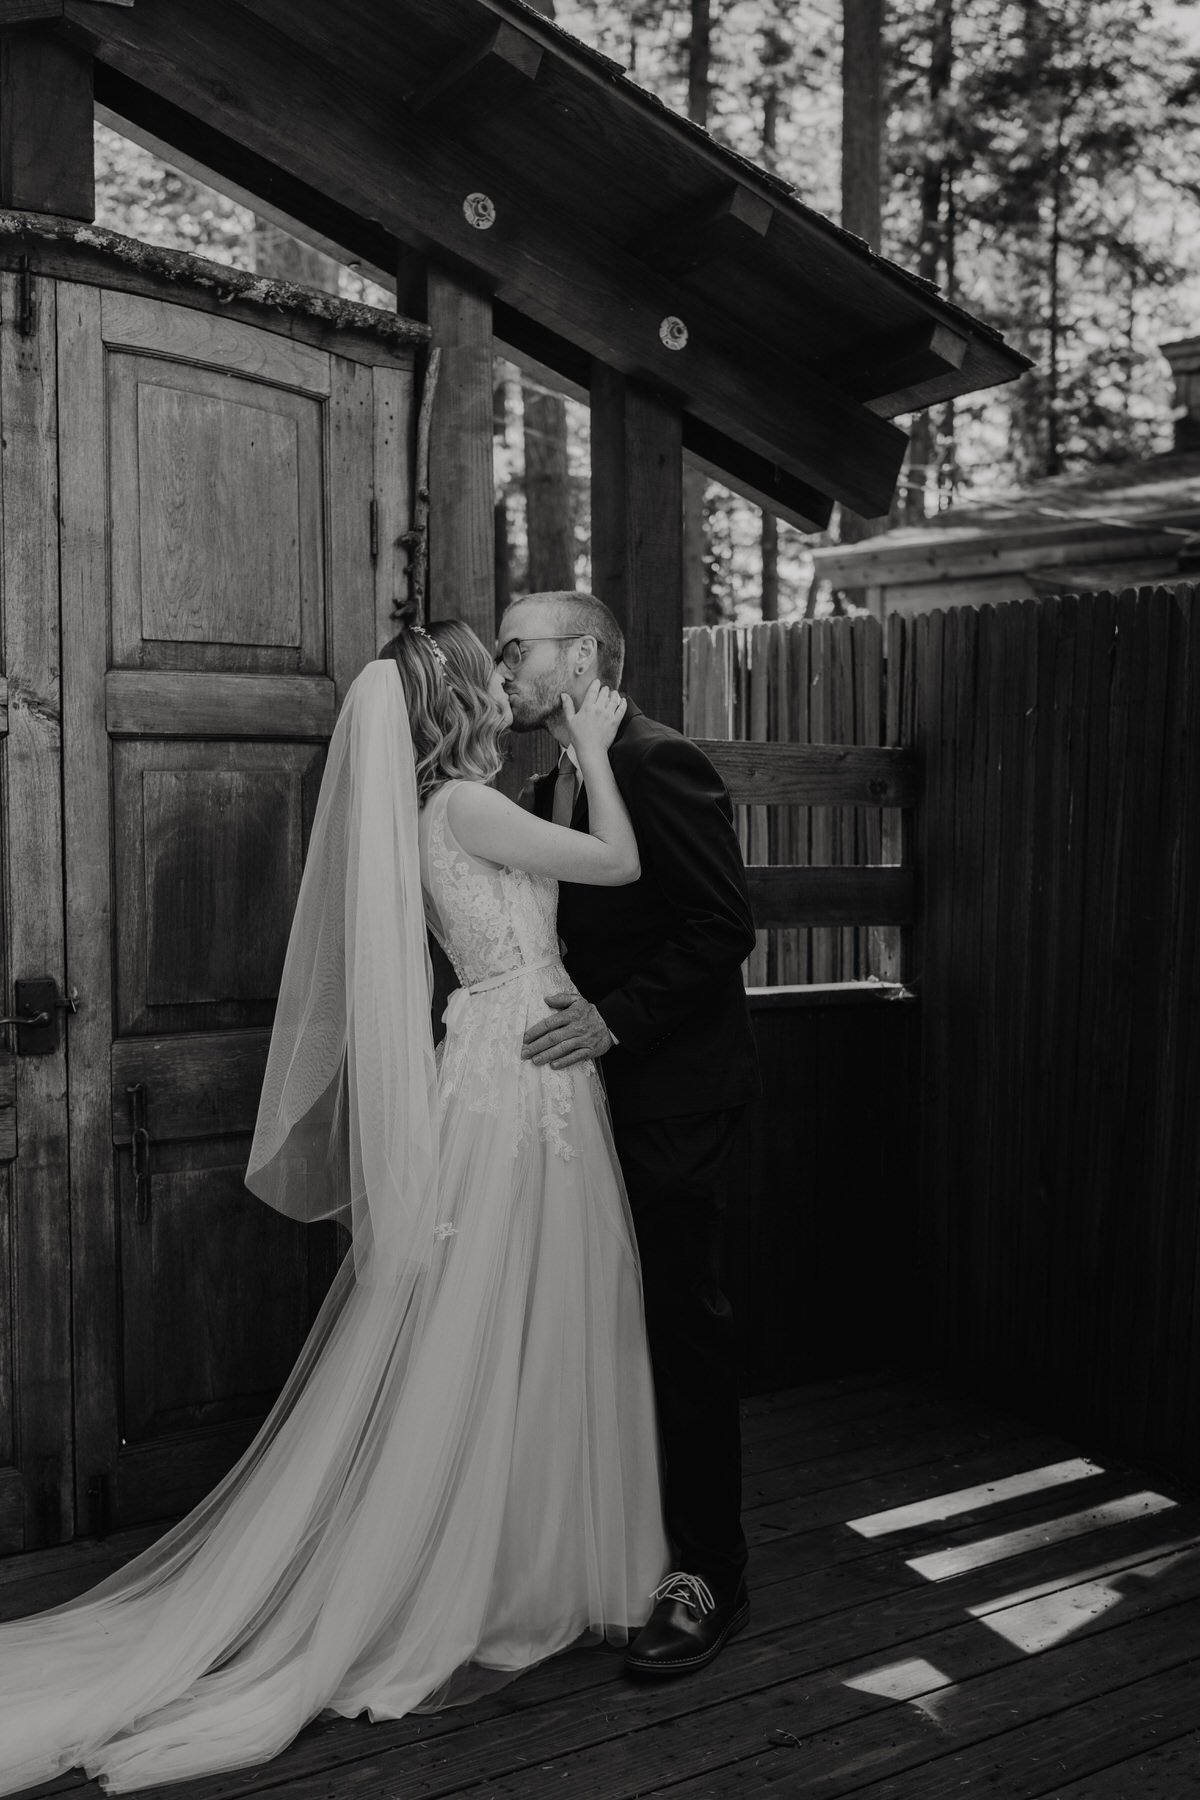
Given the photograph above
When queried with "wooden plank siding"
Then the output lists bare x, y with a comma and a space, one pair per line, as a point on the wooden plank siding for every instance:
792, 714
818, 1241
1058, 867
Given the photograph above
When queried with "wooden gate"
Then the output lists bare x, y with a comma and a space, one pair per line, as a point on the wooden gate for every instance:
231, 497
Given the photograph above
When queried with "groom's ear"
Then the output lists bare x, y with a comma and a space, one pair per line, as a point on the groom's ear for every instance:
588, 651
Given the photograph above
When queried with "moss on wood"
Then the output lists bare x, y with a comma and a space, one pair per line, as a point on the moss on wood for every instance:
216, 278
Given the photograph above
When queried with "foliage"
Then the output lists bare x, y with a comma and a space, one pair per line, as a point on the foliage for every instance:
1043, 179
1061, 212
1039, 166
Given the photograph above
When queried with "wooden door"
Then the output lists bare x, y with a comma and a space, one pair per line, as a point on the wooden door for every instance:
220, 591
35, 1337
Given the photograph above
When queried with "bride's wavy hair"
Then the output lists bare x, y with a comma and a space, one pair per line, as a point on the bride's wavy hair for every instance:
456, 727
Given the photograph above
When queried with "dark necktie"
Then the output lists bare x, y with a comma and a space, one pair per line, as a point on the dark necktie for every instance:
565, 790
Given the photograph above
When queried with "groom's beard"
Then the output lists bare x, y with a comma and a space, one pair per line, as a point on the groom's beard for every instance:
521, 724
537, 708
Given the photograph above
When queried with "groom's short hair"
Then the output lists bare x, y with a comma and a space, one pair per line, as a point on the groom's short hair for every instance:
577, 611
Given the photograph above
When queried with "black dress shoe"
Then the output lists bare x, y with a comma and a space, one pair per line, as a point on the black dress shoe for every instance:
687, 1627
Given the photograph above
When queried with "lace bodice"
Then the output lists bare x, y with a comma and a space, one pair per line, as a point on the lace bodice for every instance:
490, 921
498, 927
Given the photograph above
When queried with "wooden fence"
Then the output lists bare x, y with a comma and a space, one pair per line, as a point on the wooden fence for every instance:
807, 684
1049, 1246
1058, 967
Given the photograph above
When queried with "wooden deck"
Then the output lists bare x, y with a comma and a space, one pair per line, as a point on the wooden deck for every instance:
946, 1601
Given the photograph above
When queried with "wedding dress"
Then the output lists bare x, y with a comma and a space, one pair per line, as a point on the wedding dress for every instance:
460, 1477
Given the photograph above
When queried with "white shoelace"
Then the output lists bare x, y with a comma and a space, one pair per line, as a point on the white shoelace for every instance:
689, 1589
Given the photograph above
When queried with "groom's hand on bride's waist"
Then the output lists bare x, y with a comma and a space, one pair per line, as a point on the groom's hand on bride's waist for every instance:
573, 1032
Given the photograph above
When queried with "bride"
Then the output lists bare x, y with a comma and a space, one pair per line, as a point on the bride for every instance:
460, 1476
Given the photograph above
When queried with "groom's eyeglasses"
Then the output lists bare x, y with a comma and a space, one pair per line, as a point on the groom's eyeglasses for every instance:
512, 652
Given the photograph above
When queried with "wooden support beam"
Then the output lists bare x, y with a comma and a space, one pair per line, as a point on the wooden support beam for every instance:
755, 477
767, 484
637, 534
235, 67
502, 65
737, 220
897, 369
46, 161
874, 895
462, 566
764, 774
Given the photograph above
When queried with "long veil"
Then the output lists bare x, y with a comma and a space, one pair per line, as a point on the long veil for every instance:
215, 1645
346, 1122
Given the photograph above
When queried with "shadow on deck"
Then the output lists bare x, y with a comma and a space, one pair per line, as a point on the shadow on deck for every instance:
945, 1601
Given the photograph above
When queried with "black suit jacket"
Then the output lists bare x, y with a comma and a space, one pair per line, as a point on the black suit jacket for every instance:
661, 958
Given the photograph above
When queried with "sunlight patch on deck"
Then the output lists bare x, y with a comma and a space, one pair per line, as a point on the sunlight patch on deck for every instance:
1037, 1623
899, 1680
986, 1493
1130, 1564
941, 1564
1040, 1623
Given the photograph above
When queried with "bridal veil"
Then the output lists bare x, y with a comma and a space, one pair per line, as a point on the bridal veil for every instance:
215, 1645
347, 1120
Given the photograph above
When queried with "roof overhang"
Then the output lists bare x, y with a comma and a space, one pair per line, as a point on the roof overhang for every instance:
1016, 546
371, 124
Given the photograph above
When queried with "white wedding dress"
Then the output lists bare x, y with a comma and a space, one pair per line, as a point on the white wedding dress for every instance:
460, 1477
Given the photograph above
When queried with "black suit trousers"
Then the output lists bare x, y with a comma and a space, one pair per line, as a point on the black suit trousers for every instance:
676, 1173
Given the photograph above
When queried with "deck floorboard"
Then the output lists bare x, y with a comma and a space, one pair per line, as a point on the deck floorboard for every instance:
1027, 1627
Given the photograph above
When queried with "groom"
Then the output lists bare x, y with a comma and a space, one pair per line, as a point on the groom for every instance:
664, 1012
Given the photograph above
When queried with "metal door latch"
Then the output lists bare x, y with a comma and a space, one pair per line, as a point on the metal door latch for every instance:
38, 1004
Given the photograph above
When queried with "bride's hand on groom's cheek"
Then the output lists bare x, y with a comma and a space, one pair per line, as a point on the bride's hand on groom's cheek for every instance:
573, 1033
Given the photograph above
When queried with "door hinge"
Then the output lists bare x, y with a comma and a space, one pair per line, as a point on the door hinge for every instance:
374, 521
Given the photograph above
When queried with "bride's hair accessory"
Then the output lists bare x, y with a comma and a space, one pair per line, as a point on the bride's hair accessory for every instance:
407, 615
420, 631
452, 715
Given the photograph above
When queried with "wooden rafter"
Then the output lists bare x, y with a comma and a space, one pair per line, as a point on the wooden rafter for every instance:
893, 373
736, 220
249, 84
486, 75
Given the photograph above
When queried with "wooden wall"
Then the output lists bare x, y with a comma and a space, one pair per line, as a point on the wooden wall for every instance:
1058, 854
797, 683
818, 1245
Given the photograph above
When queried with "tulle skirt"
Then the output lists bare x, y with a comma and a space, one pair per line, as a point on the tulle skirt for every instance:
459, 1479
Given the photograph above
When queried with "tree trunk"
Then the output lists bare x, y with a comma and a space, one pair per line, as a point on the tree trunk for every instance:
862, 118
695, 546
501, 536
695, 483
551, 538
769, 539
551, 541
699, 59
770, 566
923, 464
862, 163
1054, 310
